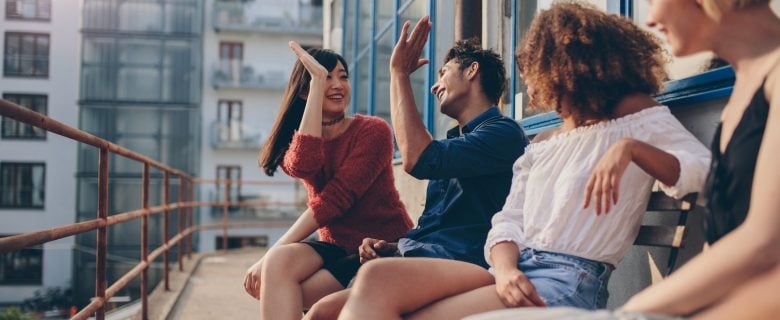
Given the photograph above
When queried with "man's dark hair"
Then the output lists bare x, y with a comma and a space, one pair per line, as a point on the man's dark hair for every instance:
492, 75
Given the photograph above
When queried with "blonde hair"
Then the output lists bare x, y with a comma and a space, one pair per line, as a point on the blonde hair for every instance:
715, 8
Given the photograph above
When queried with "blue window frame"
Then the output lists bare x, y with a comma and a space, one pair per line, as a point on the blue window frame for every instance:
367, 44
370, 32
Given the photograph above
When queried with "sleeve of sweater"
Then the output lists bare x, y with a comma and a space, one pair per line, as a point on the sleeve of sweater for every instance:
365, 161
305, 156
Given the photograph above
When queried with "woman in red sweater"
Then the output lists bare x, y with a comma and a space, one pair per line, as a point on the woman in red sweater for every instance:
346, 165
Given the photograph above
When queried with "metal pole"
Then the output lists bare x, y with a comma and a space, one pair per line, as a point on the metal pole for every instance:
145, 243
166, 188
225, 210
189, 217
102, 232
179, 246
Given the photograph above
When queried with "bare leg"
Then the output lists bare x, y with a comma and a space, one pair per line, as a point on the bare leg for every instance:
755, 299
284, 269
329, 307
319, 285
465, 304
388, 288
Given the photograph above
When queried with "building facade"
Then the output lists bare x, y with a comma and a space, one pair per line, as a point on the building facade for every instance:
140, 87
364, 31
37, 169
247, 62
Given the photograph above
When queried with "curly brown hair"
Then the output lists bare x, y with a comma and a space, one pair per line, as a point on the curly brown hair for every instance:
577, 53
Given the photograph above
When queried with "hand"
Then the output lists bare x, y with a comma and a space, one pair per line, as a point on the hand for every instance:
406, 54
515, 290
604, 183
315, 69
252, 279
372, 248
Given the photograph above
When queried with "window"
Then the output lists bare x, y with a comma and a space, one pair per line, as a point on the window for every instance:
26, 54
13, 129
22, 267
28, 9
231, 55
22, 185
231, 173
229, 119
231, 50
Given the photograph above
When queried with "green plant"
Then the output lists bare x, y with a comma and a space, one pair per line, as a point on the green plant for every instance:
50, 299
14, 313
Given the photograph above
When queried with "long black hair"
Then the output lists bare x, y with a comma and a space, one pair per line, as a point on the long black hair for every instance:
291, 109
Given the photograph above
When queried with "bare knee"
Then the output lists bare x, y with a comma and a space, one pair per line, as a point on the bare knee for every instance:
325, 309
286, 262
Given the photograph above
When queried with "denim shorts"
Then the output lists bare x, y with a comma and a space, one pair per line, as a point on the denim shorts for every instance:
563, 280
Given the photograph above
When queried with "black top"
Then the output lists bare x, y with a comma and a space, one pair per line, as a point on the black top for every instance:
730, 181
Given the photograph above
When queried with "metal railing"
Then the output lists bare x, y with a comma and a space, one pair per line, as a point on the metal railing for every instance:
234, 134
235, 73
256, 17
182, 240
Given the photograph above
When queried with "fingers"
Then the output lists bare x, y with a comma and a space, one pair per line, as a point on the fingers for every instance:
589, 191
420, 33
366, 250
297, 49
404, 33
530, 293
616, 187
606, 193
421, 63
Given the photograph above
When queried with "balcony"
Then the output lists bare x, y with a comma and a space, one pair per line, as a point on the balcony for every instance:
234, 74
251, 17
235, 135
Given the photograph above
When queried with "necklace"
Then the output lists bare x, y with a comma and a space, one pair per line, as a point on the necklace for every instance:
332, 122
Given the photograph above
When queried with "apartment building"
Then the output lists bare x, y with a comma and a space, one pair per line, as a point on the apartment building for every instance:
37, 169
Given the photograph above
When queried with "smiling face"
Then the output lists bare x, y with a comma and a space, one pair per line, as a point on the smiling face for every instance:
452, 87
337, 91
684, 24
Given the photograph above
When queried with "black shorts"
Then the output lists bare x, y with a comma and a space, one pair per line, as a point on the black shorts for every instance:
336, 260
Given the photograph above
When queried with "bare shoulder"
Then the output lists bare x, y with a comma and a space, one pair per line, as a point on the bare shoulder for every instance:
544, 135
772, 84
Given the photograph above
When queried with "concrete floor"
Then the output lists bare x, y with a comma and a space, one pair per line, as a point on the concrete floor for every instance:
215, 289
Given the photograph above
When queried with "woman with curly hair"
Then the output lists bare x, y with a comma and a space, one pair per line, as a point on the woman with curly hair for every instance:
578, 193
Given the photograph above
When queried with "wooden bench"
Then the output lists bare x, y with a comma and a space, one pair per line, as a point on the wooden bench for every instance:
667, 236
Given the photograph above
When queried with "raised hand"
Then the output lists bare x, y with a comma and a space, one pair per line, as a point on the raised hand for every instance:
604, 182
406, 54
315, 69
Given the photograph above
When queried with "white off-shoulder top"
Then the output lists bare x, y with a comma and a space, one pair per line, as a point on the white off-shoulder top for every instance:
544, 208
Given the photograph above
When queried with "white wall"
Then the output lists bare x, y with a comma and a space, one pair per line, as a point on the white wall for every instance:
57, 152
263, 51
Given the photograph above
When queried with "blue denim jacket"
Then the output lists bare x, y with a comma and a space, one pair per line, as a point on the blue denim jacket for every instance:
470, 175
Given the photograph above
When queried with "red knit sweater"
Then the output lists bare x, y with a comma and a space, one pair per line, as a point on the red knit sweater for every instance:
350, 183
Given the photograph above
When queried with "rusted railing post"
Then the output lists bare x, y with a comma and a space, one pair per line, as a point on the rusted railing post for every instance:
102, 232
225, 209
179, 245
189, 218
145, 242
166, 201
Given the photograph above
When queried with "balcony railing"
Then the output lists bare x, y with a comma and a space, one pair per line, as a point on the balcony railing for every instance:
248, 17
234, 135
236, 74
183, 207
